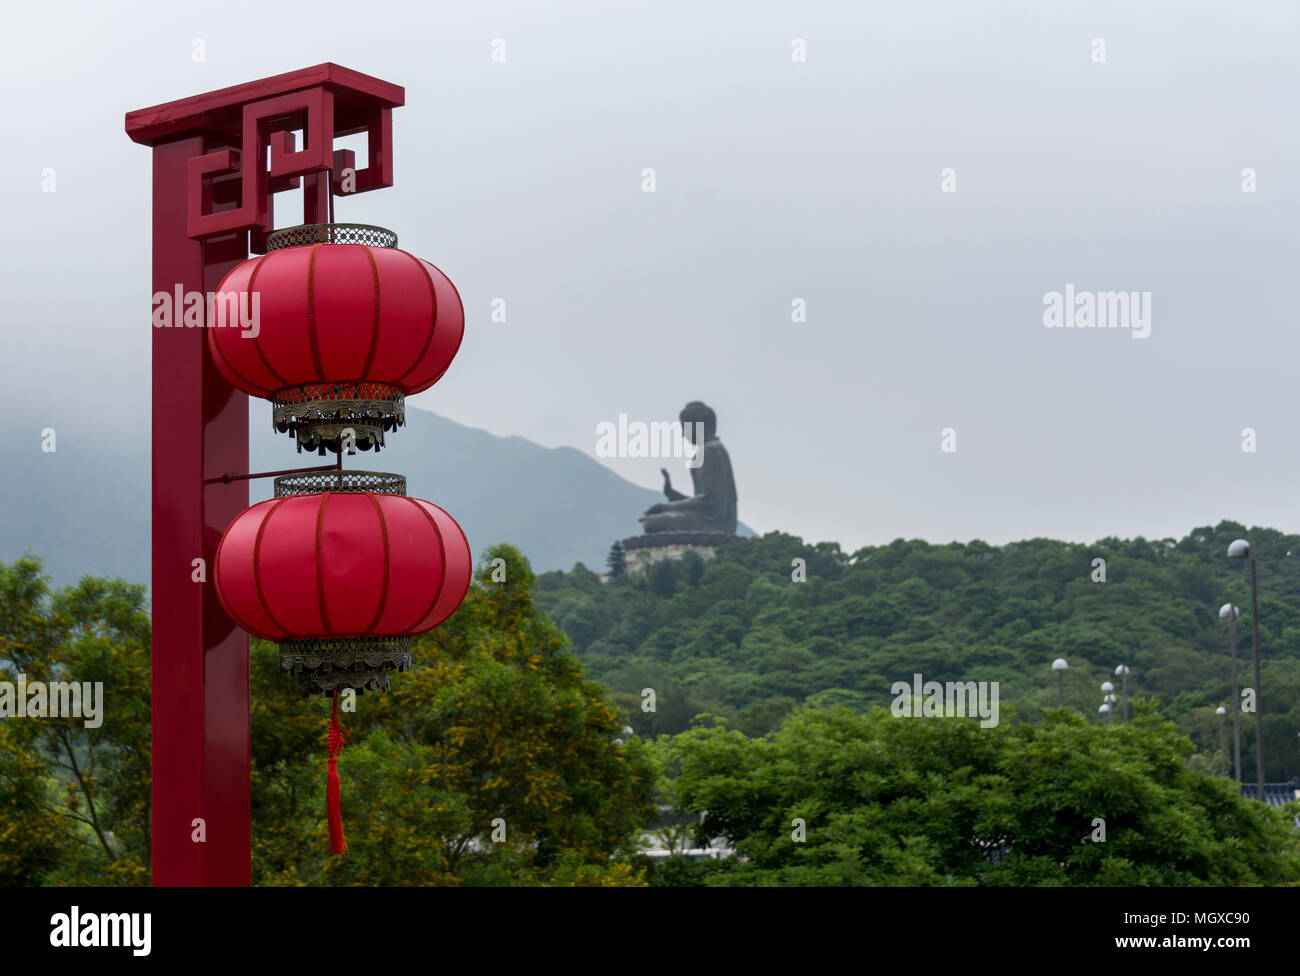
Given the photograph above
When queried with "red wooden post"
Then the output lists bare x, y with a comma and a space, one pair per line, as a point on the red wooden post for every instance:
211, 189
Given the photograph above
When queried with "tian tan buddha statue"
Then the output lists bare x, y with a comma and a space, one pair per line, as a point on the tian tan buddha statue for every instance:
712, 507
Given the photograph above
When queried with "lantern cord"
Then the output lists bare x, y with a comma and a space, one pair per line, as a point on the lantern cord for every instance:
333, 807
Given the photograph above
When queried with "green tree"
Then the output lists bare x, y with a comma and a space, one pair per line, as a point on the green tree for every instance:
617, 560
75, 804
494, 731
890, 801
662, 582
495, 724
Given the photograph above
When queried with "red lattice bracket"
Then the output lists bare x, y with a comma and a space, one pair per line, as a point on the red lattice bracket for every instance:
271, 123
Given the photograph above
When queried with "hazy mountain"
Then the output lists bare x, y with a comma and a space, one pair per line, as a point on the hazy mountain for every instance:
85, 507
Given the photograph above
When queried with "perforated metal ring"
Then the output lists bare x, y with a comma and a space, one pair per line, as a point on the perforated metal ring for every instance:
305, 234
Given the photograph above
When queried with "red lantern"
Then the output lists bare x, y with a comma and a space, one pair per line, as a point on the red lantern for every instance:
339, 326
342, 580
341, 569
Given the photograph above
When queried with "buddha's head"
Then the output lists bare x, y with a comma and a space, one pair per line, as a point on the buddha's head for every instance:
694, 413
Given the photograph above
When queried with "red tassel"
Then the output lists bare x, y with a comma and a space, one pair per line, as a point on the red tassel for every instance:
337, 737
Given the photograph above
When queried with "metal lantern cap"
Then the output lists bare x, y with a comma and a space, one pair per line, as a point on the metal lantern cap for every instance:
1060, 664
352, 480
1228, 610
1107, 686
1220, 711
304, 234
1239, 549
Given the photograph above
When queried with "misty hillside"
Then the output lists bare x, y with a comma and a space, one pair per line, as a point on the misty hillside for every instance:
85, 508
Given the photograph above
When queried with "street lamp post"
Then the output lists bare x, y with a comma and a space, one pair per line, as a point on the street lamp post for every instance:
1105, 711
1060, 667
1223, 744
1243, 549
1231, 613
1123, 671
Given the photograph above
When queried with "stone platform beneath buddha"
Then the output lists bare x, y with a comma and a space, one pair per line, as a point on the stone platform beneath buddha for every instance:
644, 550
661, 540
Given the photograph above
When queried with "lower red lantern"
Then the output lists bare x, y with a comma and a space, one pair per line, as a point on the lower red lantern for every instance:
342, 578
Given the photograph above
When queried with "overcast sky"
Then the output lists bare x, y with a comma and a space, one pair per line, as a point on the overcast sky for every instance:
774, 180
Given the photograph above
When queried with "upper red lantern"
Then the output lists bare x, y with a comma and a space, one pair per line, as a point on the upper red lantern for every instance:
337, 331
342, 580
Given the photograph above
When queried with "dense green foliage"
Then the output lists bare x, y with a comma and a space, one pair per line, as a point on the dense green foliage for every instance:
74, 801
496, 729
792, 649
839, 798
737, 637
492, 762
